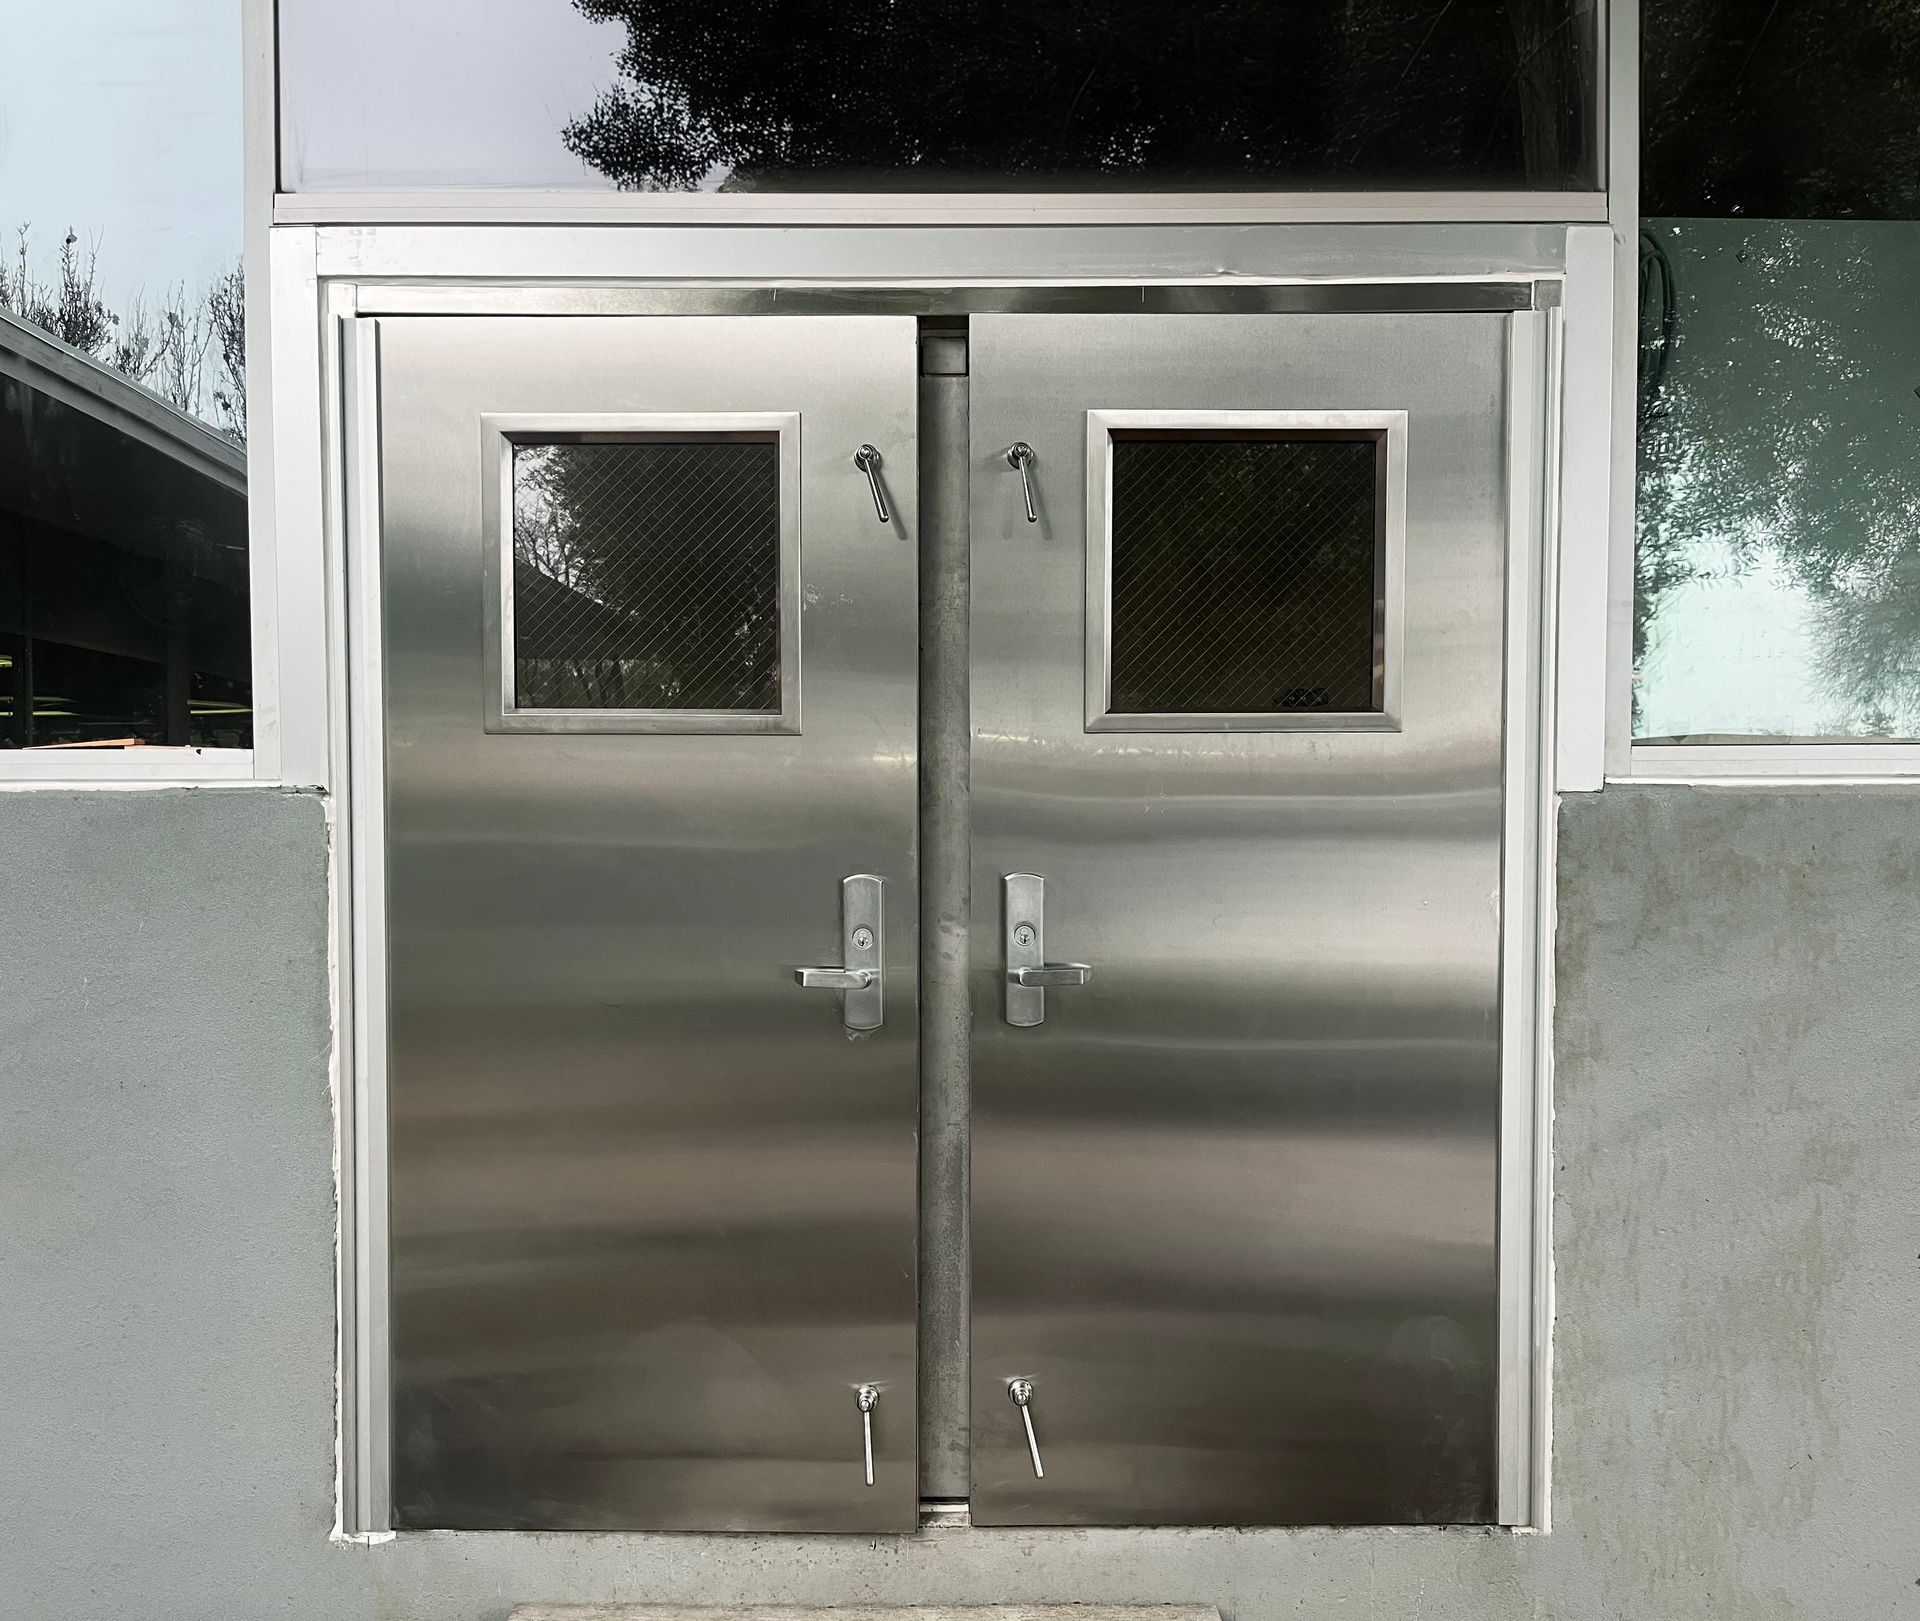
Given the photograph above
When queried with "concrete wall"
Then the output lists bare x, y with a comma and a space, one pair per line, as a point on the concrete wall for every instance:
1738, 1228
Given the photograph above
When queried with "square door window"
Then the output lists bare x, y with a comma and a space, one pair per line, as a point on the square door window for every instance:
645, 579
1243, 572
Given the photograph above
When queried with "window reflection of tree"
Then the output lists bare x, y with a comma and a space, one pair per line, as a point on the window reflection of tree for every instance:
1779, 430
971, 92
1783, 433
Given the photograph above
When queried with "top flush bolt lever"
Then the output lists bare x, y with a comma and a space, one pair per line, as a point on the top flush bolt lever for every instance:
867, 459
1020, 458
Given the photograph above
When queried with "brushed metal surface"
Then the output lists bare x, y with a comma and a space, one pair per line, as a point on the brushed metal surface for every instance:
653, 1206
1234, 1201
944, 295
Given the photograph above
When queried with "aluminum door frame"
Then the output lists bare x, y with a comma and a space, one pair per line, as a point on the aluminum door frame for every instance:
338, 447
355, 405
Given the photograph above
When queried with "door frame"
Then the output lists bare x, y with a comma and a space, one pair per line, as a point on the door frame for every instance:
324, 415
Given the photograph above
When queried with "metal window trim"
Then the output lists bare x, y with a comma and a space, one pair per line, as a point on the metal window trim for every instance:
428, 206
500, 432
1756, 763
1613, 656
504, 257
148, 767
1223, 295
1389, 426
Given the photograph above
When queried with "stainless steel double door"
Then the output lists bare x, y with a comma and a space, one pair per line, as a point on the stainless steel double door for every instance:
649, 636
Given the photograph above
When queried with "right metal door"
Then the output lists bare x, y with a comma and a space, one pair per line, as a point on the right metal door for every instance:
1237, 749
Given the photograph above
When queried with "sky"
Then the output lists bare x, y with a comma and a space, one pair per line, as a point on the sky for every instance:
121, 120
411, 94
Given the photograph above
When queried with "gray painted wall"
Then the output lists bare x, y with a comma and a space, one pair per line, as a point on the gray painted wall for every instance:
1738, 1222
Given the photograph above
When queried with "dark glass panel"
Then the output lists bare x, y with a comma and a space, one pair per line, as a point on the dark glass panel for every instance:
1245, 575
1088, 94
123, 570
1802, 111
647, 575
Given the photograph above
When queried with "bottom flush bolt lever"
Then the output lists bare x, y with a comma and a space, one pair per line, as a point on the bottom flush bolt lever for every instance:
1021, 1390
867, 1396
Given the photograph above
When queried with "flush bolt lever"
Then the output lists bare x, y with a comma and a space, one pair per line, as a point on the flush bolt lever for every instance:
1020, 458
868, 1396
1021, 1390
867, 459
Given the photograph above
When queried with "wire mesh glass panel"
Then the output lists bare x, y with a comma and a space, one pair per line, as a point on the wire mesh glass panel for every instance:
646, 575
1246, 574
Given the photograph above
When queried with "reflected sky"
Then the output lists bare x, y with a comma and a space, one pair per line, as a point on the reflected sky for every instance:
412, 95
121, 121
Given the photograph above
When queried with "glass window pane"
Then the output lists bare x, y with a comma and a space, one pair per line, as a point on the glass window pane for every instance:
1779, 516
669, 95
1245, 574
1801, 111
646, 575
123, 577
1778, 562
123, 510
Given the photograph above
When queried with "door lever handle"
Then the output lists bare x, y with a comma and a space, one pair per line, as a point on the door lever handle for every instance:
834, 979
868, 459
1020, 458
1050, 973
1029, 974
862, 976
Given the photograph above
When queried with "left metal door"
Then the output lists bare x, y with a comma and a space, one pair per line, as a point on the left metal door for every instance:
649, 665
